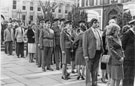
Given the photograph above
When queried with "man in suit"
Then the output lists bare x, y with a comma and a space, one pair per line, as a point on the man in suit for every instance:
57, 49
128, 44
38, 50
92, 49
9, 38
46, 43
19, 35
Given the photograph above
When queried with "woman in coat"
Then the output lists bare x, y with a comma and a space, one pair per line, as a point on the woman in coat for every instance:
79, 59
116, 53
31, 42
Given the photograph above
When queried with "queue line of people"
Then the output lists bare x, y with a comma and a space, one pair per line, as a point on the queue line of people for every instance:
59, 43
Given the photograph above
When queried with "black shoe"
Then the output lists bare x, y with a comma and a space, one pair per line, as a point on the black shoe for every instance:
78, 77
57, 68
39, 65
73, 72
82, 78
68, 75
65, 78
103, 80
49, 69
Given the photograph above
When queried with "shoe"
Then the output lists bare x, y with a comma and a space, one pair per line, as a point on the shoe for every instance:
57, 68
65, 78
78, 77
103, 80
43, 70
82, 78
49, 69
68, 75
73, 72
39, 65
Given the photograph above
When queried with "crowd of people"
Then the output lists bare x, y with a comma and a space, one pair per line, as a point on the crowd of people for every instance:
83, 47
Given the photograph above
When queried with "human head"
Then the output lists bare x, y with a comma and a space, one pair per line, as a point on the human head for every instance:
48, 23
113, 30
9, 25
83, 28
81, 22
112, 21
94, 23
41, 22
68, 24
132, 24
125, 28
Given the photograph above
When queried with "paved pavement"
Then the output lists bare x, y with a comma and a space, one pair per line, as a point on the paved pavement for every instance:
19, 72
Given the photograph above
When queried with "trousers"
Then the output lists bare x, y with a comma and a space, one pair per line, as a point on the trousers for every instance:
92, 68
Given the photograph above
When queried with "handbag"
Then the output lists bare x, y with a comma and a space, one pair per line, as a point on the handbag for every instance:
105, 58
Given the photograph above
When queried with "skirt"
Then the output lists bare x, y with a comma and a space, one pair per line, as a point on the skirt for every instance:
117, 72
66, 57
31, 48
79, 59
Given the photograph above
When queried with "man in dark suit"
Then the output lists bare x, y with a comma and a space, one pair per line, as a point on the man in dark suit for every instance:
57, 49
128, 44
92, 49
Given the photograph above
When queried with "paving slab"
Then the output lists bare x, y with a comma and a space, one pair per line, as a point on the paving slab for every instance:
15, 84
9, 81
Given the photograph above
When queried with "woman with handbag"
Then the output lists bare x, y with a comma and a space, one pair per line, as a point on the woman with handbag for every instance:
116, 53
79, 59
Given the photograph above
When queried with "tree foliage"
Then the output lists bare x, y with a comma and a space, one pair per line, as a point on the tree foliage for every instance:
76, 15
47, 8
126, 17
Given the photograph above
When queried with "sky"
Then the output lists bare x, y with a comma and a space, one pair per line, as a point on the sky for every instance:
5, 3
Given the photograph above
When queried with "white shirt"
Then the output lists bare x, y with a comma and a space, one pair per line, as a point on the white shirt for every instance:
98, 38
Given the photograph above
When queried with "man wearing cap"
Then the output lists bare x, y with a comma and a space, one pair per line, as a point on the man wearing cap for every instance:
128, 44
57, 49
92, 49
46, 43
8, 38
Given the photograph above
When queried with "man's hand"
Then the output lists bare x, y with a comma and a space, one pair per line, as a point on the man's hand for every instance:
38, 45
86, 58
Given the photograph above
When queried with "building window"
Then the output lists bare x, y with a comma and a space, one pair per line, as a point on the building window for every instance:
14, 1
14, 4
66, 11
59, 10
39, 9
53, 10
31, 8
23, 17
31, 18
24, 7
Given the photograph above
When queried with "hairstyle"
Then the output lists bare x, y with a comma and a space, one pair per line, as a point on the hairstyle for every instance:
83, 28
125, 28
93, 20
112, 29
112, 21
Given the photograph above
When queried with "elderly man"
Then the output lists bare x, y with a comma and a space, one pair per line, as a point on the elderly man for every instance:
92, 49
8, 38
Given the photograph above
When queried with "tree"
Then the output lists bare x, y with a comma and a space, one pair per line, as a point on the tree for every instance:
47, 8
126, 16
76, 15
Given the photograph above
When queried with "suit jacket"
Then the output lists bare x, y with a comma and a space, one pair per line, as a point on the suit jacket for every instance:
8, 36
46, 38
89, 44
128, 44
19, 34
